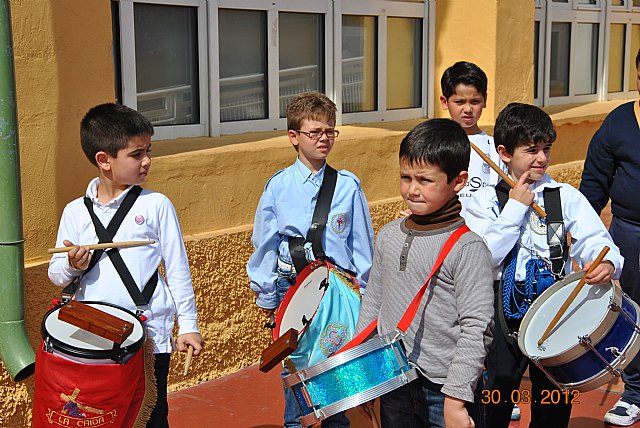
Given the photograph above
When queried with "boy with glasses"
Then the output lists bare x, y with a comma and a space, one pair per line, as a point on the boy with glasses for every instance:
285, 212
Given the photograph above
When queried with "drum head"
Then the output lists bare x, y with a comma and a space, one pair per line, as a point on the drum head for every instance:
76, 342
303, 298
584, 316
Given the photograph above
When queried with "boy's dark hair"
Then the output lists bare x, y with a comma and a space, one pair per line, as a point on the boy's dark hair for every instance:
108, 128
466, 73
440, 142
638, 59
522, 124
310, 106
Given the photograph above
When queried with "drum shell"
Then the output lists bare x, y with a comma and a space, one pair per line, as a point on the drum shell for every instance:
110, 354
577, 366
102, 394
350, 378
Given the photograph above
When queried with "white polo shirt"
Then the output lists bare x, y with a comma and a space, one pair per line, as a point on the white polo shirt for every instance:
152, 217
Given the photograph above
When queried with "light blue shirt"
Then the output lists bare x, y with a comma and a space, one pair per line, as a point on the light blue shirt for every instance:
286, 209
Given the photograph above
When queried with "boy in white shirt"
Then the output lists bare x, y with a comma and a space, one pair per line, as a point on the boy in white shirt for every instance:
464, 96
516, 237
117, 140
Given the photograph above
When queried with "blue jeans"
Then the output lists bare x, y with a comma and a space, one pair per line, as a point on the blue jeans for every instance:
412, 406
627, 237
286, 279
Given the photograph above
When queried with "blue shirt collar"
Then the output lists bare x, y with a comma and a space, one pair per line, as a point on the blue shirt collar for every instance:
305, 174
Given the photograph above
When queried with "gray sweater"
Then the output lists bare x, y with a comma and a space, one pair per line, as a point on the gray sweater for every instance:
452, 330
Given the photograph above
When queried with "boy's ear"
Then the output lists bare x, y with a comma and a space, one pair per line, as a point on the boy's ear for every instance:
102, 159
504, 155
443, 101
293, 138
460, 181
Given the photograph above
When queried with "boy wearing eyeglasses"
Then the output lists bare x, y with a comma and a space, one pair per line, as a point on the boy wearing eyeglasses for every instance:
286, 209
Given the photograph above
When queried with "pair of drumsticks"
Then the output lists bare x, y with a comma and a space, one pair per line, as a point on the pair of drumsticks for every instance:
542, 214
124, 244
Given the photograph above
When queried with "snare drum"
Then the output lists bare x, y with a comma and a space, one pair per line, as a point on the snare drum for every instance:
350, 378
323, 306
79, 345
594, 340
83, 379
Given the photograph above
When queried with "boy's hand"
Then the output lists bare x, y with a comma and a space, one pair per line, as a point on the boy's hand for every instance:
193, 339
79, 257
455, 414
602, 274
521, 191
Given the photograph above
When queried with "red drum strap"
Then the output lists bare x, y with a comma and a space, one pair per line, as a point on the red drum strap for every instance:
410, 313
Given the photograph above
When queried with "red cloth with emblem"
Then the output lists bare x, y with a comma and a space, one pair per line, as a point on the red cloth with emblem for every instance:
70, 393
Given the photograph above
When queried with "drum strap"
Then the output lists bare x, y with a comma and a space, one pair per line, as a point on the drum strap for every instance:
411, 311
318, 223
106, 235
556, 234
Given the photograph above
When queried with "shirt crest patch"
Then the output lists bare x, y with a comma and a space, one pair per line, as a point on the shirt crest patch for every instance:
339, 222
538, 225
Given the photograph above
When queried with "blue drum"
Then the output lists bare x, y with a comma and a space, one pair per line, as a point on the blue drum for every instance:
350, 378
595, 339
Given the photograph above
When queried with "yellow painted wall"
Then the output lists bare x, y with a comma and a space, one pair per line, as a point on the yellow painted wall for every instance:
64, 66
495, 35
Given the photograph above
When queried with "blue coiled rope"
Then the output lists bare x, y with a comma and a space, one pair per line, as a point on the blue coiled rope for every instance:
517, 297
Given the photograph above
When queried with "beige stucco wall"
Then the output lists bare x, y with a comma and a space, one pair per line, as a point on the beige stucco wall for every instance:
63, 63
488, 33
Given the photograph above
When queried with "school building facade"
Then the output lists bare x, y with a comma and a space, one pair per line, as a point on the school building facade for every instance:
214, 76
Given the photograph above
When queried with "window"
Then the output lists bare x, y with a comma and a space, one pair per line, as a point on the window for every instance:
584, 50
163, 64
382, 64
198, 67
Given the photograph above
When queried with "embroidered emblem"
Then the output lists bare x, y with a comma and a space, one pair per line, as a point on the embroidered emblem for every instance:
339, 223
139, 219
537, 224
332, 338
75, 413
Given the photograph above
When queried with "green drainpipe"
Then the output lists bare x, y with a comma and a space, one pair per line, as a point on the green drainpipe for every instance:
15, 349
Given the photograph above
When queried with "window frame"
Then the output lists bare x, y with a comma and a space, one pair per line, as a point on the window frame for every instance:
272, 9
332, 11
382, 10
574, 15
128, 66
603, 13
627, 15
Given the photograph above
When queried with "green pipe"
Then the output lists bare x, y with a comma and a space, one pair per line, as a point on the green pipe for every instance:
15, 349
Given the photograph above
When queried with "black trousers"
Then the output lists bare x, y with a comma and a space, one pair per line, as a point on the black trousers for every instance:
505, 367
160, 414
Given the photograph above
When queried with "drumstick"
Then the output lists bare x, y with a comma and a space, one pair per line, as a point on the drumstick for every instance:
187, 362
505, 177
573, 295
102, 246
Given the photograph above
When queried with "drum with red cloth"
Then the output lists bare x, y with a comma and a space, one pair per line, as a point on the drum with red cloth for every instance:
84, 379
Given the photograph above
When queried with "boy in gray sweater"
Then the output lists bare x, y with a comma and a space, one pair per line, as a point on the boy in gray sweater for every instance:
451, 332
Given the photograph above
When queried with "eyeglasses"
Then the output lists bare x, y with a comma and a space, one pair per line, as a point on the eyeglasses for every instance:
316, 135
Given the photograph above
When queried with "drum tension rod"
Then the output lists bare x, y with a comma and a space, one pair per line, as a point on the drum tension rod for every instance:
586, 340
536, 361
616, 308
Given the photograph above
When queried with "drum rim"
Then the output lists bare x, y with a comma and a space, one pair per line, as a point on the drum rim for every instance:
596, 335
620, 363
91, 354
361, 397
288, 297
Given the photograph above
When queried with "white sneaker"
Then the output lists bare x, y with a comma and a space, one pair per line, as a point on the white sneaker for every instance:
515, 413
622, 414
